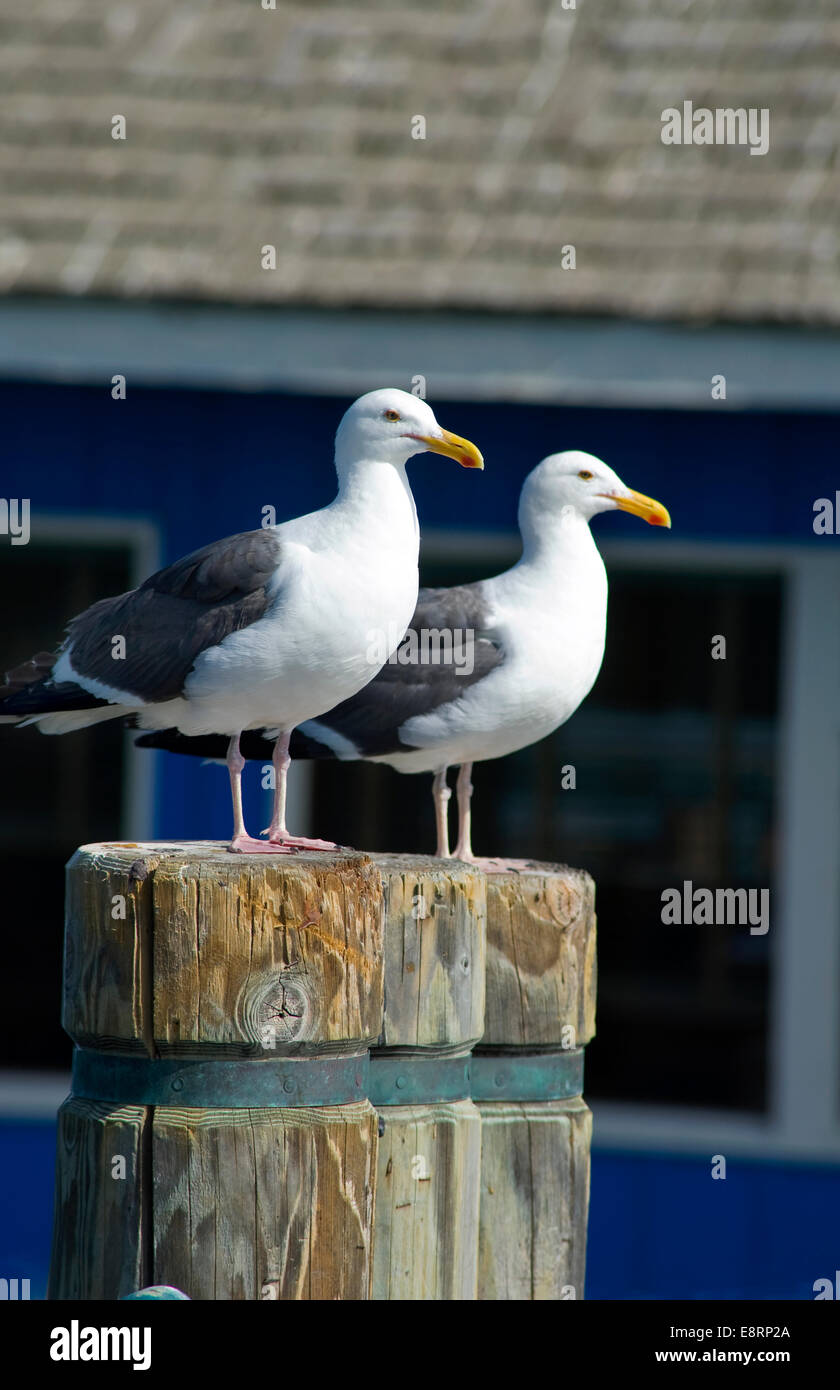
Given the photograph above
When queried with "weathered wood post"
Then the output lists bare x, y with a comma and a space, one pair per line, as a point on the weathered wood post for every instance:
218, 1137
427, 1191
236, 1019
527, 1077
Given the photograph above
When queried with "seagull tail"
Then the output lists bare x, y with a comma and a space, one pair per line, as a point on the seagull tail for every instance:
30, 696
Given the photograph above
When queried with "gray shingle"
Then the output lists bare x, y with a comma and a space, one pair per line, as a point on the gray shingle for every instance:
293, 127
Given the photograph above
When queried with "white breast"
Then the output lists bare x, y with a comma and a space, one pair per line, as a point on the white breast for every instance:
342, 598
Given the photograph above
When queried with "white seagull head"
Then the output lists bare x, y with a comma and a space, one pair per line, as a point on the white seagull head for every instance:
586, 485
390, 425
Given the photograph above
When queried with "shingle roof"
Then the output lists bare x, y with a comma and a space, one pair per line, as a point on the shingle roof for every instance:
292, 127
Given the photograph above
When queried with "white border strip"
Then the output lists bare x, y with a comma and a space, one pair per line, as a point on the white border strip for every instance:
536, 359
32, 1095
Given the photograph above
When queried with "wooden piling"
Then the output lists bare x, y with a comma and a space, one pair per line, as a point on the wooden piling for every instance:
426, 1222
527, 1080
219, 1137
323, 1076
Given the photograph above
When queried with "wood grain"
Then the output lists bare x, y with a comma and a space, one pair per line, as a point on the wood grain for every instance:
435, 934
426, 1240
218, 956
541, 964
541, 976
215, 948
265, 1204
107, 958
426, 1215
534, 1199
215, 955
101, 1203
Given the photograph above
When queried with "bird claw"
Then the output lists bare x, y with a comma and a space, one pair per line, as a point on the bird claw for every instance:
293, 843
244, 844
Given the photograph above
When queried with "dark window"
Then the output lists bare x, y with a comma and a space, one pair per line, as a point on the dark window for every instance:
53, 786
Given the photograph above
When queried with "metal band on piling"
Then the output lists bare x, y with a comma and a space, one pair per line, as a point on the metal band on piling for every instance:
527, 1076
220, 1083
279, 1082
411, 1079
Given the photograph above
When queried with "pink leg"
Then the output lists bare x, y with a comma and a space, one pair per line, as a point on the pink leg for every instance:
242, 842
441, 793
278, 836
463, 849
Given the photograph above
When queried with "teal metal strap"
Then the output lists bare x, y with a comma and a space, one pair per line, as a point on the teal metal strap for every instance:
411, 1079
219, 1083
527, 1076
278, 1082
515, 1075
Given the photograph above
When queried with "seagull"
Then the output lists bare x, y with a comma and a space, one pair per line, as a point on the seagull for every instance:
269, 627
484, 669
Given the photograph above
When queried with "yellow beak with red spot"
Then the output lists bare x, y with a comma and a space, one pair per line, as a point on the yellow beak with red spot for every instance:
453, 446
647, 508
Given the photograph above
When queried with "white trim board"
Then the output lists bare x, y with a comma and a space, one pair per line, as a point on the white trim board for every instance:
142, 537
32, 1095
635, 1128
667, 551
532, 359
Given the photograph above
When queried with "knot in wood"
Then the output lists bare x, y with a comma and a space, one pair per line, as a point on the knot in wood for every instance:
564, 899
276, 1008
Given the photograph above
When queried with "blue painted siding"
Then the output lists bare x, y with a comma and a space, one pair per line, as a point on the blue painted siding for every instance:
661, 1227
27, 1176
202, 462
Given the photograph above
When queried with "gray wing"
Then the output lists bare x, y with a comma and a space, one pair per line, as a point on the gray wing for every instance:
177, 614
372, 719
166, 623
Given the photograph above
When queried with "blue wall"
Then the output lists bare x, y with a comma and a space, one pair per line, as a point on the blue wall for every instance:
27, 1174
202, 463
661, 1227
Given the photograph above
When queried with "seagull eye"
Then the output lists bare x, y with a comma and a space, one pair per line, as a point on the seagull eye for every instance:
585, 474
391, 415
